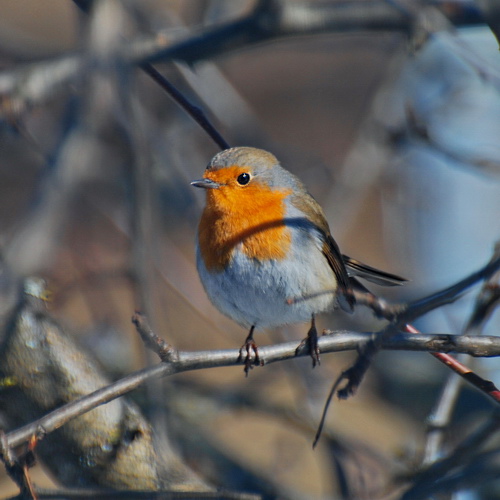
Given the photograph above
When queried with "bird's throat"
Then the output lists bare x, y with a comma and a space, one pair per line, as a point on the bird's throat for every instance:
250, 220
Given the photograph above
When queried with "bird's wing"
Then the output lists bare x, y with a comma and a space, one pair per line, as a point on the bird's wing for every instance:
307, 204
332, 253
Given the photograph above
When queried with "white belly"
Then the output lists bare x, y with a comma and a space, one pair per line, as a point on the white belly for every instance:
273, 292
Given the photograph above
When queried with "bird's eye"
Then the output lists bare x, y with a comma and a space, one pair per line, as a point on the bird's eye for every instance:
243, 179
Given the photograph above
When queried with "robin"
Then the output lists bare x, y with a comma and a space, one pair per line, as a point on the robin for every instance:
265, 254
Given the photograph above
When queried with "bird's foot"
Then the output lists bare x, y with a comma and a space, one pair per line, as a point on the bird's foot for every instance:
249, 354
312, 344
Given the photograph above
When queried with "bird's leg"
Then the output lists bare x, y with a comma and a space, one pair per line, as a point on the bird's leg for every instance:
247, 347
312, 342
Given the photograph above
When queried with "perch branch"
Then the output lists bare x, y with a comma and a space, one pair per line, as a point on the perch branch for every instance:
196, 360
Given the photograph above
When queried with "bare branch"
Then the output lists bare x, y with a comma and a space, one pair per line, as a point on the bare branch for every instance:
197, 360
32, 84
441, 415
279, 18
163, 349
405, 313
486, 301
399, 316
194, 111
48, 369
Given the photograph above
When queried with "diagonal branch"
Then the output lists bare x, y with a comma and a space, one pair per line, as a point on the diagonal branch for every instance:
399, 316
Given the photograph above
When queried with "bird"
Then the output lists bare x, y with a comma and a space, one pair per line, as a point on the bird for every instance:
264, 251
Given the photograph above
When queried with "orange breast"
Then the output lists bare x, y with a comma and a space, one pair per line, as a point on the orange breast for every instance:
251, 215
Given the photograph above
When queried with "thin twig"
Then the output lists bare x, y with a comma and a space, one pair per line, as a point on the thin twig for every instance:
193, 111
485, 386
400, 315
462, 454
450, 294
159, 346
407, 313
440, 417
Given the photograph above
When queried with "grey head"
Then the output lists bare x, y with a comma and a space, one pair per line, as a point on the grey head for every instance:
262, 165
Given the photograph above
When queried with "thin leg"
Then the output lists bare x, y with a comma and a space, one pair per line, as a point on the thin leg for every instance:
248, 346
312, 342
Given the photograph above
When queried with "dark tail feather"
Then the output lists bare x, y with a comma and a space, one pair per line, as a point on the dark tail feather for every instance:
356, 268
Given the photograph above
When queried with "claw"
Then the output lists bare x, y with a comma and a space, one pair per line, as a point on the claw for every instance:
248, 347
312, 342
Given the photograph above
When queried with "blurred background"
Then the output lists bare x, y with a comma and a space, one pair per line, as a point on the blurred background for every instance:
394, 131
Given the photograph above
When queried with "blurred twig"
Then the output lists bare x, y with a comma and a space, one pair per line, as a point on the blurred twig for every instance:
487, 299
440, 417
32, 84
431, 479
195, 112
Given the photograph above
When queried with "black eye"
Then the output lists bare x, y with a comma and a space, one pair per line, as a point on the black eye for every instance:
243, 179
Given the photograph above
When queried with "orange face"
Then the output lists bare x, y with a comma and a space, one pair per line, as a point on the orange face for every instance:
242, 209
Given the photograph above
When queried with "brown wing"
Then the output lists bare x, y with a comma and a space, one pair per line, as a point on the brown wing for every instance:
307, 204
356, 268
334, 258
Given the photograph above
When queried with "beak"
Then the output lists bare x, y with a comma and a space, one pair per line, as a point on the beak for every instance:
205, 183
